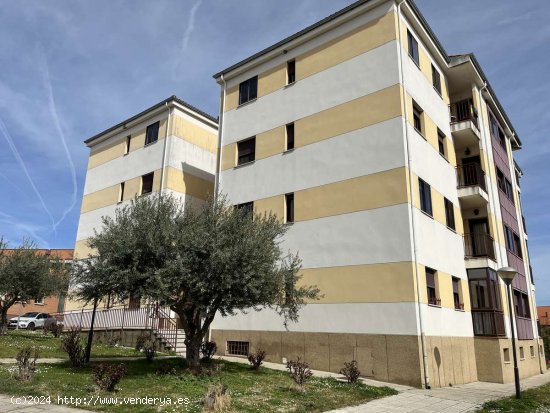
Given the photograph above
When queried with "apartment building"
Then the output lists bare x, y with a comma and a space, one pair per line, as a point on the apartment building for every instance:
392, 163
170, 147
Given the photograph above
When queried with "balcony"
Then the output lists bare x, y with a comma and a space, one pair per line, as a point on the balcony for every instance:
472, 189
479, 245
464, 123
488, 323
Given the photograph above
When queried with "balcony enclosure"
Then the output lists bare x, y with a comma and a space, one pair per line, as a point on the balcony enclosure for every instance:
478, 241
471, 180
486, 300
464, 122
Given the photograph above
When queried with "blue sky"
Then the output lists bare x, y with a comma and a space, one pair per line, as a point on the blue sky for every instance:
72, 68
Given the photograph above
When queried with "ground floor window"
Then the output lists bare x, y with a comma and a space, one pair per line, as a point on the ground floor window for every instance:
237, 348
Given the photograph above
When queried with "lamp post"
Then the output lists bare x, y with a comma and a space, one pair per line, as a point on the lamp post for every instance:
507, 274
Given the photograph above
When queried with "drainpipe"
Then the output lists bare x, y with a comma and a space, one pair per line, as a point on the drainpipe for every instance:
220, 132
412, 226
162, 173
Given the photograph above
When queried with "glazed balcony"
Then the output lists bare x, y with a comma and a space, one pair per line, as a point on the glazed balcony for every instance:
488, 323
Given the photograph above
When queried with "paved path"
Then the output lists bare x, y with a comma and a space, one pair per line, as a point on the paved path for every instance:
464, 398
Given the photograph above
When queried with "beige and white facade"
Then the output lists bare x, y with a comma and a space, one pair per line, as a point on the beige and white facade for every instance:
399, 206
178, 158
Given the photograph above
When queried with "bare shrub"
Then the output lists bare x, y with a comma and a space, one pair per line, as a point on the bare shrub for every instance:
217, 398
256, 359
72, 345
26, 364
108, 375
351, 371
141, 339
54, 329
299, 372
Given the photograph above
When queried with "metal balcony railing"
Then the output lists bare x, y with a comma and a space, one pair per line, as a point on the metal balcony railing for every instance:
464, 110
471, 175
478, 245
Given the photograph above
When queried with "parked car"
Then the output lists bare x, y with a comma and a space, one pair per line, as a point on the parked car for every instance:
31, 321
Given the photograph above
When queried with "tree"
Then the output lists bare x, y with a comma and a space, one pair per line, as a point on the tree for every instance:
26, 274
198, 260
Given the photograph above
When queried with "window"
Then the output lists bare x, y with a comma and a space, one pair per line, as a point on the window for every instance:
290, 136
39, 300
413, 48
417, 117
509, 191
134, 302
246, 151
425, 197
238, 348
506, 352
248, 90
247, 207
517, 246
456, 294
121, 192
521, 353
501, 138
449, 214
436, 79
152, 133
521, 304
513, 242
441, 143
430, 285
291, 72
532, 351
289, 207
501, 181
127, 147
484, 289
147, 183
493, 126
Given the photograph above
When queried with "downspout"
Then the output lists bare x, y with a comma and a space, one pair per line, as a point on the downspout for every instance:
411, 189
162, 172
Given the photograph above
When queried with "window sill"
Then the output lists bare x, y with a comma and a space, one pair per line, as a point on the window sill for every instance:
420, 133
126, 154
444, 157
290, 223
119, 202
434, 305
417, 64
247, 103
288, 151
427, 214
289, 85
150, 143
460, 309
438, 92
40, 304
244, 164
451, 229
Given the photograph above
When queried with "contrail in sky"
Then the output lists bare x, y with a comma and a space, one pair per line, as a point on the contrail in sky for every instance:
186, 36
21, 163
53, 112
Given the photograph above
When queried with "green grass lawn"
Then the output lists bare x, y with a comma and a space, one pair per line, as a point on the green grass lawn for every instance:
263, 391
50, 347
532, 400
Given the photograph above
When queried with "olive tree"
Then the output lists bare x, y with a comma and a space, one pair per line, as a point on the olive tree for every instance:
26, 274
200, 261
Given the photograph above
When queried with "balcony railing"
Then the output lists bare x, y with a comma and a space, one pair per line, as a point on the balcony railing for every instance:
471, 175
488, 323
464, 110
477, 245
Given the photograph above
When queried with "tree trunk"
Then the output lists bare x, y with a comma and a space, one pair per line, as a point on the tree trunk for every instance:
3, 320
193, 350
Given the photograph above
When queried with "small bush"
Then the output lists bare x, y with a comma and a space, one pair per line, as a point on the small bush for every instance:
351, 371
217, 398
107, 375
72, 345
256, 359
113, 339
26, 363
149, 349
208, 349
54, 329
299, 372
141, 339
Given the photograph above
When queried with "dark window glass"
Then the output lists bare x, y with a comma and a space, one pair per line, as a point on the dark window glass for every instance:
449, 213
121, 194
430, 285
147, 183
501, 138
417, 116
128, 142
291, 71
501, 181
508, 189
247, 207
152, 133
456, 294
290, 136
246, 151
248, 90
425, 197
517, 246
509, 235
484, 289
238, 348
289, 203
413, 48
436, 79
493, 126
441, 142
